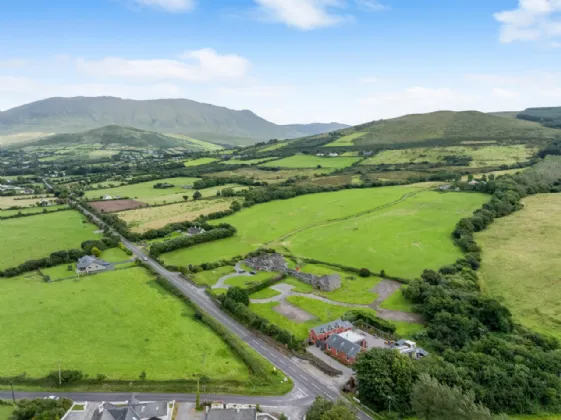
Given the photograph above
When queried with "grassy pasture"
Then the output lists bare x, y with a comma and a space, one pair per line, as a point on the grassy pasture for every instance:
6, 411
31, 210
402, 239
482, 156
522, 260
274, 147
28, 238
146, 192
143, 219
347, 140
137, 327
7, 202
200, 161
268, 222
271, 177
308, 161
210, 277
246, 162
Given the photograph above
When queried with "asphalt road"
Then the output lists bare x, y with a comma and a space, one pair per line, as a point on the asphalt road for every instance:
306, 386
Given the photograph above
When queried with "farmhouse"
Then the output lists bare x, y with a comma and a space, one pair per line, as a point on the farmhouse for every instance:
133, 410
268, 262
195, 231
323, 332
327, 283
342, 348
90, 264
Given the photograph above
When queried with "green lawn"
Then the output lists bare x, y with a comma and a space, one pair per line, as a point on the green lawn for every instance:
210, 277
406, 329
268, 222
31, 210
29, 238
244, 281
60, 271
136, 327
402, 239
6, 411
265, 294
347, 140
146, 192
114, 255
397, 302
309, 161
200, 161
522, 260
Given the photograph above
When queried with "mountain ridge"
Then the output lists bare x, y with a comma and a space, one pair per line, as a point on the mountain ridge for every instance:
199, 120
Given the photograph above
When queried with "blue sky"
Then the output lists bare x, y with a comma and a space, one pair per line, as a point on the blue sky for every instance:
288, 60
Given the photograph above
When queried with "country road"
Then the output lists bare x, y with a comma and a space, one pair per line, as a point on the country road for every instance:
306, 385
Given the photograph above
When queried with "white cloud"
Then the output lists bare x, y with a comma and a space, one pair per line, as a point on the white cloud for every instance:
174, 6
504, 93
302, 14
533, 20
194, 66
371, 5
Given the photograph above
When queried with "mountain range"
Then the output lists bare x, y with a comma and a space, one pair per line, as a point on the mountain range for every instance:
175, 116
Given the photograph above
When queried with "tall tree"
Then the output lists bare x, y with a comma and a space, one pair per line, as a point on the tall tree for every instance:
385, 378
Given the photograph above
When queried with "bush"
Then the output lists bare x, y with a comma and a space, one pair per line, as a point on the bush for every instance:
364, 272
369, 319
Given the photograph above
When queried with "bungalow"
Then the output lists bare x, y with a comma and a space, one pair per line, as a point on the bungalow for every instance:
88, 264
133, 410
341, 348
323, 332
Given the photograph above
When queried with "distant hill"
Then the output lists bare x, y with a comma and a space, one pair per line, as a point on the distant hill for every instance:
123, 136
180, 116
549, 117
440, 127
505, 114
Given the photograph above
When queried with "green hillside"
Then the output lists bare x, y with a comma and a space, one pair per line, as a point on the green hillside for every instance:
549, 117
437, 128
122, 136
182, 116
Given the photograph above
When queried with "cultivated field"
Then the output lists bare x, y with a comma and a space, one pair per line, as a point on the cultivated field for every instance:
137, 327
522, 261
29, 238
146, 192
307, 161
141, 220
394, 229
109, 206
482, 156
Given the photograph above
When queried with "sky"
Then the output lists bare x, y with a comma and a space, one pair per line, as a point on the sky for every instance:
289, 61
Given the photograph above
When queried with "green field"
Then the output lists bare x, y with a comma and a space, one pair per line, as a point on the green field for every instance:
196, 144
200, 161
210, 277
136, 327
273, 147
402, 239
397, 302
271, 177
6, 411
146, 192
368, 228
347, 140
28, 238
522, 260
308, 161
246, 162
31, 210
482, 156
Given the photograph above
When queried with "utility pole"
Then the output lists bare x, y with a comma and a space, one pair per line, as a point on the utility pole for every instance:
59, 374
13, 395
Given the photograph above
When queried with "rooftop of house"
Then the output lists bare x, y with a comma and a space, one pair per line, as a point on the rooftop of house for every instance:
342, 345
89, 260
195, 230
352, 336
134, 410
231, 414
321, 329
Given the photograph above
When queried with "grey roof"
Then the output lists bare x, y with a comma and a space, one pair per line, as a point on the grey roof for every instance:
343, 345
134, 410
87, 260
231, 414
195, 230
332, 325
330, 279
